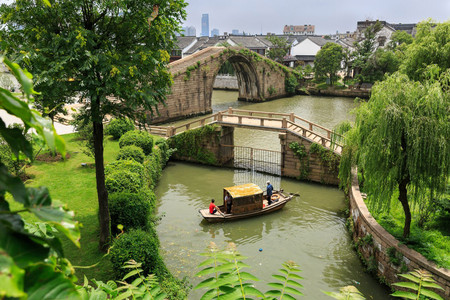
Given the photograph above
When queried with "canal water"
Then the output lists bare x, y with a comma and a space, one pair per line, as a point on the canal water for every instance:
310, 230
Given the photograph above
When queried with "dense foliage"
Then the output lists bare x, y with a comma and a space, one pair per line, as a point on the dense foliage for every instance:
99, 51
141, 246
279, 49
118, 127
190, 144
141, 139
124, 165
124, 181
131, 210
131, 153
31, 264
328, 62
400, 140
430, 49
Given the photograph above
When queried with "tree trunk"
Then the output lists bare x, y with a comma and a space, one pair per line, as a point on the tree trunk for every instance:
402, 188
102, 194
403, 198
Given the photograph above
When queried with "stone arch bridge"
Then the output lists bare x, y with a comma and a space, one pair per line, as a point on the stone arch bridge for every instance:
259, 79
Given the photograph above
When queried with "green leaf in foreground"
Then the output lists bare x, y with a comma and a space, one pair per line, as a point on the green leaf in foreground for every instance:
11, 278
346, 293
42, 282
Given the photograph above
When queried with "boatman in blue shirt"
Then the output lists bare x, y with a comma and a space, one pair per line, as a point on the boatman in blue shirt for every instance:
269, 192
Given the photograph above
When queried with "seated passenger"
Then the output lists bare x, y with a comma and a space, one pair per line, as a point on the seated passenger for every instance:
213, 208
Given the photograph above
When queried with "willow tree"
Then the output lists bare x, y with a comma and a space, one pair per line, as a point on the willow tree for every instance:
400, 140
112, 53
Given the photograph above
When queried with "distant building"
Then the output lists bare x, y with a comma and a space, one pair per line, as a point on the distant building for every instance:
382, 37
215, 32
299, 29
205, 25
189, 31
235, 32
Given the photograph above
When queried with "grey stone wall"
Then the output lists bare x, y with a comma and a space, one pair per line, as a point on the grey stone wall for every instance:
225, 82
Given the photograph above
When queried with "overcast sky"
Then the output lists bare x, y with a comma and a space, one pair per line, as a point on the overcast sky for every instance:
256, 16
329, 16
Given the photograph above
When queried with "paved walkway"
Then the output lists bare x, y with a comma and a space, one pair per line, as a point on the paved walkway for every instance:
60, 128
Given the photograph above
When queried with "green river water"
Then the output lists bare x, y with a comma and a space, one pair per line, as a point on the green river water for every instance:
310, 230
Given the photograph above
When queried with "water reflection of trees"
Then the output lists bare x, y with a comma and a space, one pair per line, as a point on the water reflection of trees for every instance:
240, 232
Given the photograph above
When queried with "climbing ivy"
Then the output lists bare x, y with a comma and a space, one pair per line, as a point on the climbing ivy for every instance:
327, 157
303, 156
271, 90
190, 144
290, 84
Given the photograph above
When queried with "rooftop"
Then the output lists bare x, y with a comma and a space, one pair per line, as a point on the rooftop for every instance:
243, 190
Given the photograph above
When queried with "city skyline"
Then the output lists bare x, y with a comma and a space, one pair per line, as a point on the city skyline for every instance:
255, 16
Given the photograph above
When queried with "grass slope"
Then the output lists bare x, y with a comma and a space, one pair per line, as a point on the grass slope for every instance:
75, 185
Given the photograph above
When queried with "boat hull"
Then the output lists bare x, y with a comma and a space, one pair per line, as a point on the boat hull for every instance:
217, 217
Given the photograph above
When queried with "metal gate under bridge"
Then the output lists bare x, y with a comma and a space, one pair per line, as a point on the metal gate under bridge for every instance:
248, 158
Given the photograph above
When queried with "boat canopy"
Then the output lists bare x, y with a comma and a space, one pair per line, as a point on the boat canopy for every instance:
243, 190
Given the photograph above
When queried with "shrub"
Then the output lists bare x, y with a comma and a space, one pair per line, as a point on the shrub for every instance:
166, 152
153, 167
124, 165
9, 159
142, 246
132, 210
141, 139
123, 181
131, 153
117, 127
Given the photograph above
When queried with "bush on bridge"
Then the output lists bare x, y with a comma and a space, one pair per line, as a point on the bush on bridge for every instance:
118, 127
141, 139
131, 153
190, 144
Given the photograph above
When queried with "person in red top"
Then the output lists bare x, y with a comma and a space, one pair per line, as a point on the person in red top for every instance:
213, 208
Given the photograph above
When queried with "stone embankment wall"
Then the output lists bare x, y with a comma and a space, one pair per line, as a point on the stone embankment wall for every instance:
312, 166
211, 143
377, 247
352, 93
225, 82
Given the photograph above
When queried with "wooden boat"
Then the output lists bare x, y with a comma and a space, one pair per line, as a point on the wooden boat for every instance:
247, 201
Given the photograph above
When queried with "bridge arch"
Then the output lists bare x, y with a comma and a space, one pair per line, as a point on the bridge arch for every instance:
259, 79
248, 81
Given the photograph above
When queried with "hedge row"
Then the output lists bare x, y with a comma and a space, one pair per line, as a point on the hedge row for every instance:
130, 181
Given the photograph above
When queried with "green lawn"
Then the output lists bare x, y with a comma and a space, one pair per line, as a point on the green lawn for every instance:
433, 241
75, 185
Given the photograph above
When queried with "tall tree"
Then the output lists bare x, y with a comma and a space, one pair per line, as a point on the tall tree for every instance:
112, 53
279, 49
400, 140
363, 51
431, 46
328, 61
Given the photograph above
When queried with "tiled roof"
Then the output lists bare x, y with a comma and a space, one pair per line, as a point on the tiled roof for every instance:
198, 45
252, 42
319, 40
184, 41
305, 57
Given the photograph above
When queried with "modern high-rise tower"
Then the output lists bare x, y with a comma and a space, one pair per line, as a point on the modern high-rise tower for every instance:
205, 25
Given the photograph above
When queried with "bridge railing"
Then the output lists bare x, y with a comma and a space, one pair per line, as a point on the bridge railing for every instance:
274, 120
313, 127
173, 130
